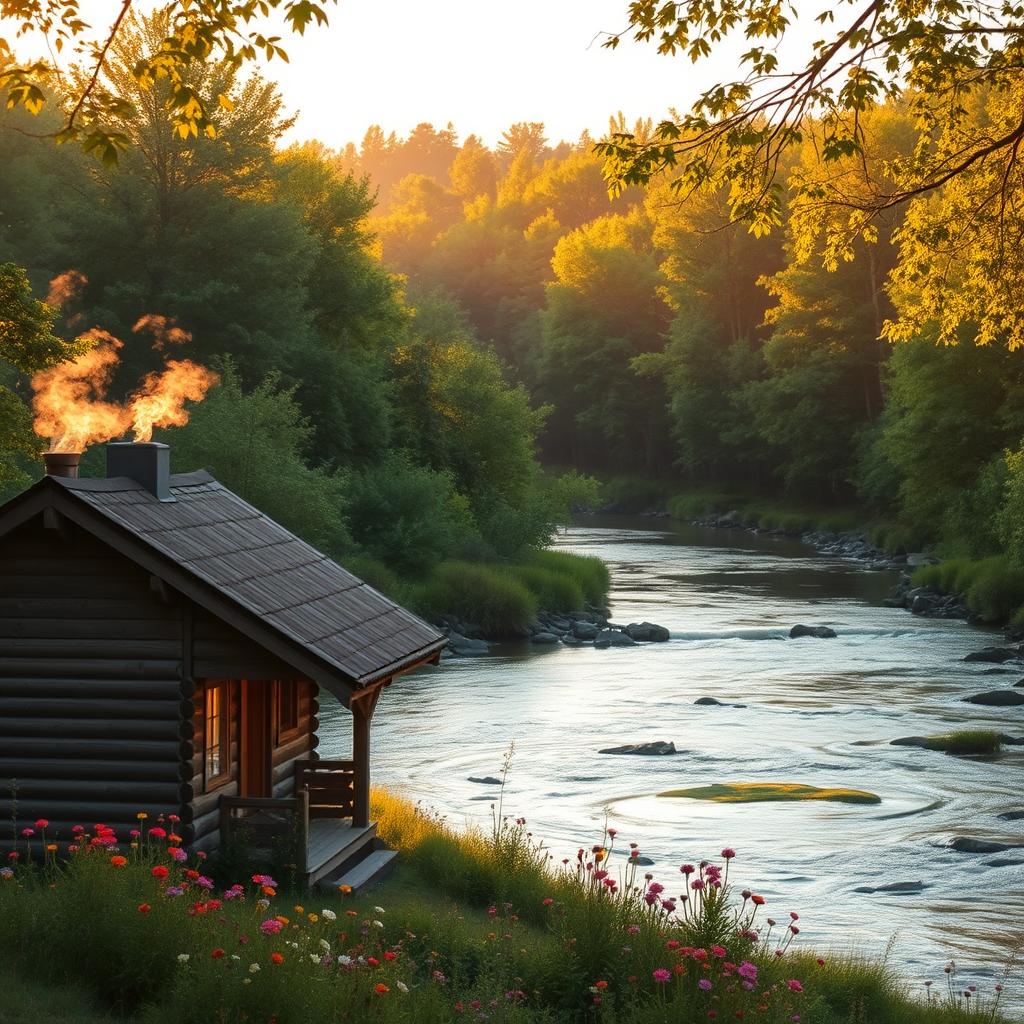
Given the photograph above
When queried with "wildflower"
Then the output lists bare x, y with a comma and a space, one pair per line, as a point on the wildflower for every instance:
328, 915
344, 889
177, 854
271, 926
697, 884
390, 955
118, 861
203, 882
704, 985
378, 924
687, 869
758, 901
253, 968
26, 832
51, 847
173, 817
718, 951
748, 972
42, 823
661, 976
381, 989
600, 984
401, 986
174, 890
159, 871
728, 853
378, 910
794, 916
183, 958
373, 961
157, 833
76, 829
612, 833
312, 918
547, 901
142, 815
276, 958
217, 953
821, 963
795, 986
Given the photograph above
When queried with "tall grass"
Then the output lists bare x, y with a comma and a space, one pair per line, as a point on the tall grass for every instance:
992, 588
555, 591
588, 571
488, 596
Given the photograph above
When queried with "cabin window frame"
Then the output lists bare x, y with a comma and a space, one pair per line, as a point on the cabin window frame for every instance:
223, 719
286, 699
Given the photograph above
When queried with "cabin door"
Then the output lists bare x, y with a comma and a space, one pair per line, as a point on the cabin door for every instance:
256, 775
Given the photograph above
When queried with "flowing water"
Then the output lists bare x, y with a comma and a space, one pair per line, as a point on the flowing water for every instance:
819, 712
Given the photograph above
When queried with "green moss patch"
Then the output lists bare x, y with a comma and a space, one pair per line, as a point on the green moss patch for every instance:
756, 792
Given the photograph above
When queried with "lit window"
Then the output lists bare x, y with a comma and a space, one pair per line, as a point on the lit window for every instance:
215, 759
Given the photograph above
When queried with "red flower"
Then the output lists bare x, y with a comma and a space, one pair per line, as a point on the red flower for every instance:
276, 958
600, 984
373, 961
144, 908
42, 823
758, 901
389, 955
217, 953
158, 833
118, 861
159, 871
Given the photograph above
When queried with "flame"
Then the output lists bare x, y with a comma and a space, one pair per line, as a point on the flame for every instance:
69, 401
164, 331
160, 402
65, 287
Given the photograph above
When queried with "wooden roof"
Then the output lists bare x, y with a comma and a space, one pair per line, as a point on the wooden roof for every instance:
267, 573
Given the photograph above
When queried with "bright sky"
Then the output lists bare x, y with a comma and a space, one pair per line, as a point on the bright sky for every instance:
479, 64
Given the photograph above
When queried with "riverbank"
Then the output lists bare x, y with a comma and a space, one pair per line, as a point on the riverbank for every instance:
479, 925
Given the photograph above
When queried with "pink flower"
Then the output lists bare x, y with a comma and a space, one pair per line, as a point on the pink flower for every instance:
747, 971
158, 833
697, 884
271, 926
718, 951
728, 853
704, 985
661, 976
547, 901
687, 869
794, 915
42, 823
26, 832
795, 986
178, 854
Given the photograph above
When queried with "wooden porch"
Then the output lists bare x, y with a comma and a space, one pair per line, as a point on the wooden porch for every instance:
325, 826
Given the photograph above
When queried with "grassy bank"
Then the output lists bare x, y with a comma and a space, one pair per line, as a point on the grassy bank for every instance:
479, 925
992, 588
501, 598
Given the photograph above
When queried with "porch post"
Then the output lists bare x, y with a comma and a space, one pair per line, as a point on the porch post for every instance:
362, 715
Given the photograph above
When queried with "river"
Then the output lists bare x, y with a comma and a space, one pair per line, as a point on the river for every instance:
817, 711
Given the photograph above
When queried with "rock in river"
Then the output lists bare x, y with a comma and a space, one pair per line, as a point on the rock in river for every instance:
613, 638
968, 844
486, 780
821, 632
896, 887
709, 702
997, 698
545, 638
996, 655
586, 630
465, 646
1011, 815
647, 631
656, 748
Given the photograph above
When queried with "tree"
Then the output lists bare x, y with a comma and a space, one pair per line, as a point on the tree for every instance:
27, 345
943, 60
231, 33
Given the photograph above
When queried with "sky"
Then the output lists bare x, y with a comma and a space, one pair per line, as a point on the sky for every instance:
479, 64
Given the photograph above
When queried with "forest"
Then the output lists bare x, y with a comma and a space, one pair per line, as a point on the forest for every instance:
444, 346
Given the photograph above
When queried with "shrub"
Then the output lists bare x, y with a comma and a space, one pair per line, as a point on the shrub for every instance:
486, 595
997, 591
555, 591
588, 571
634, 493
376, 573
700, 503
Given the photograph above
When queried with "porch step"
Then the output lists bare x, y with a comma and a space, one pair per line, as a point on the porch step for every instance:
335, 846
367, 872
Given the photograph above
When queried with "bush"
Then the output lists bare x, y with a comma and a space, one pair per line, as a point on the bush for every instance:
555, 591
486, 595
588, 571
634, 493
693, 504
375, 573
991, 588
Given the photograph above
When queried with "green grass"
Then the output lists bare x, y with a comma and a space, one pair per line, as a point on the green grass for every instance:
756, 792
967, 741
555, 591
588, 571
469, 917
992, 588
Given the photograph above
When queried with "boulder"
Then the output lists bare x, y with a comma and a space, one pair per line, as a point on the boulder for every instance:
613, 638
1019, 683
821, 632
894, 887
545, 638
642, 861
465, 647
1011, 815
711, 702
968, 844
996, 655
486, 780
586, 631
647, 631
1004, 862
571, 641
656, 748
924, 742
997, 698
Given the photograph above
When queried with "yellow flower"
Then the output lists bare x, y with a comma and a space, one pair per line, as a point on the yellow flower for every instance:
142, 815
599, 856
282, 919
298, 909
313, 918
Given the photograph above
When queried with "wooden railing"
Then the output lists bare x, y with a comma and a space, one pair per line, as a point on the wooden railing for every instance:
268, 821
330, 785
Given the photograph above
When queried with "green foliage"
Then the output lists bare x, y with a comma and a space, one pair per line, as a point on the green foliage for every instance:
588, 572
991, 588
254, 441
555, 591
486, 595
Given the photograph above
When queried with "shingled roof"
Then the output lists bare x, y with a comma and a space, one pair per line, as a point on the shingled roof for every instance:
309, 600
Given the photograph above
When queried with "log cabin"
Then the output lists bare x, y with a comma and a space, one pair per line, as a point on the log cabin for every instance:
163, 649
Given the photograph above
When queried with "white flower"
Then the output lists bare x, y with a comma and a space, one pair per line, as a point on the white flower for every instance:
294, 945
378, 910
401, 986
235, 956
345, 961
263, 904
325, 945
183, 958
378, 924
247, 981
328, 915
315, 957
253, 968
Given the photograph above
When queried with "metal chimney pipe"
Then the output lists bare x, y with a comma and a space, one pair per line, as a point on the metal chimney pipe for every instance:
62, 463
146, 462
